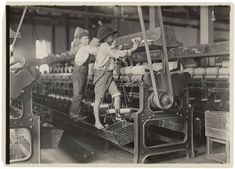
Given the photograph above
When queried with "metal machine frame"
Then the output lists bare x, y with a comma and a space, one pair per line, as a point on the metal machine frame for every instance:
145, 115
31, 122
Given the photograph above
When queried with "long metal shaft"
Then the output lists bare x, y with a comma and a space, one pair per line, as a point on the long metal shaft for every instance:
19, 26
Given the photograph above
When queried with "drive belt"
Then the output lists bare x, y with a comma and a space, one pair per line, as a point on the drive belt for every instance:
165, 75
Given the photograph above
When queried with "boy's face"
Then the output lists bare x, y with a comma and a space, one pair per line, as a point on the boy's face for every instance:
109, 39
85, 40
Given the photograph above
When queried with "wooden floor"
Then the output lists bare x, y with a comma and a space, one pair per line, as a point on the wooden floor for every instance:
85, 148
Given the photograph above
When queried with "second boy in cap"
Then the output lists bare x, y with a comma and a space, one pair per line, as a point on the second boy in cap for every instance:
80, 73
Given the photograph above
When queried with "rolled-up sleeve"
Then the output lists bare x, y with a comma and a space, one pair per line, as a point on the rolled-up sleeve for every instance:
118, 53
83, 54
91, 50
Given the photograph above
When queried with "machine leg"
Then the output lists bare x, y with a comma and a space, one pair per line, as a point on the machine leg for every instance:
227, 150
190, 132
107, 145
208, 145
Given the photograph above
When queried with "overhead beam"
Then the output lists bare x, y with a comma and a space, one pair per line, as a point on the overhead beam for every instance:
72, 12
167, 20
53, 38
42, 20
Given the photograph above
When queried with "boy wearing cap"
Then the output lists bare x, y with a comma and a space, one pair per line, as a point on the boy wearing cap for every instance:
75, 42
104, 66
80, 73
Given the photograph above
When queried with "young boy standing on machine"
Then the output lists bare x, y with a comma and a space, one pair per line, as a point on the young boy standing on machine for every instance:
80, 73
104, 66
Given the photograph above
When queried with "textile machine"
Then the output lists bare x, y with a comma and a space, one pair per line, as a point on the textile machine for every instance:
159, 98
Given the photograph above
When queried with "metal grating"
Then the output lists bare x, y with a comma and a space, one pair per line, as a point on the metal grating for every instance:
120, 133
50, 137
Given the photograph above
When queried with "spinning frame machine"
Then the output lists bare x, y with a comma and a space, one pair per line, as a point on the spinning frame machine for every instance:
154, 99
140, 106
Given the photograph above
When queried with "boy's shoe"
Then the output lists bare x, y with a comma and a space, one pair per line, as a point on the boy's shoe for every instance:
99, 126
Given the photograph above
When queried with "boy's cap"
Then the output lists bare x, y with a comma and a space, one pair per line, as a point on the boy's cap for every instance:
104, 32
83, 33
77, 31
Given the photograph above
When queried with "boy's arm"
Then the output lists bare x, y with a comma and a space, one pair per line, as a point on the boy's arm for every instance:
122, 53
91, 50
118, 53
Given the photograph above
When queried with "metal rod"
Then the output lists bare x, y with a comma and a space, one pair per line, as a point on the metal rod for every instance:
148, 55
19, 26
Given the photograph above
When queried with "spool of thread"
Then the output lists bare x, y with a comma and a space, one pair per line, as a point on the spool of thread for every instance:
199, 72
126, 70
66, 68
70, 68
212, 72
61, 69
223, 73
102, 106
190, 71
57, 70
44, 68
122, 111
138, 78
51, 69
157, 66
173, 65
138, 70
225, 63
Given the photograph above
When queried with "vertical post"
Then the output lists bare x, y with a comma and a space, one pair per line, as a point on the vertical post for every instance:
206, 32
153, 18
67, 26
53, 37
115, 22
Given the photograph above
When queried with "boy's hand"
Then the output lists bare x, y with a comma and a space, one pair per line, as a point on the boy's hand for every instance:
135, 45
120, 47
136, 42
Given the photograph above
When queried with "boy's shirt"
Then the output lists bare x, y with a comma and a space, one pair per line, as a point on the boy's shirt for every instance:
83, 54
106, 55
